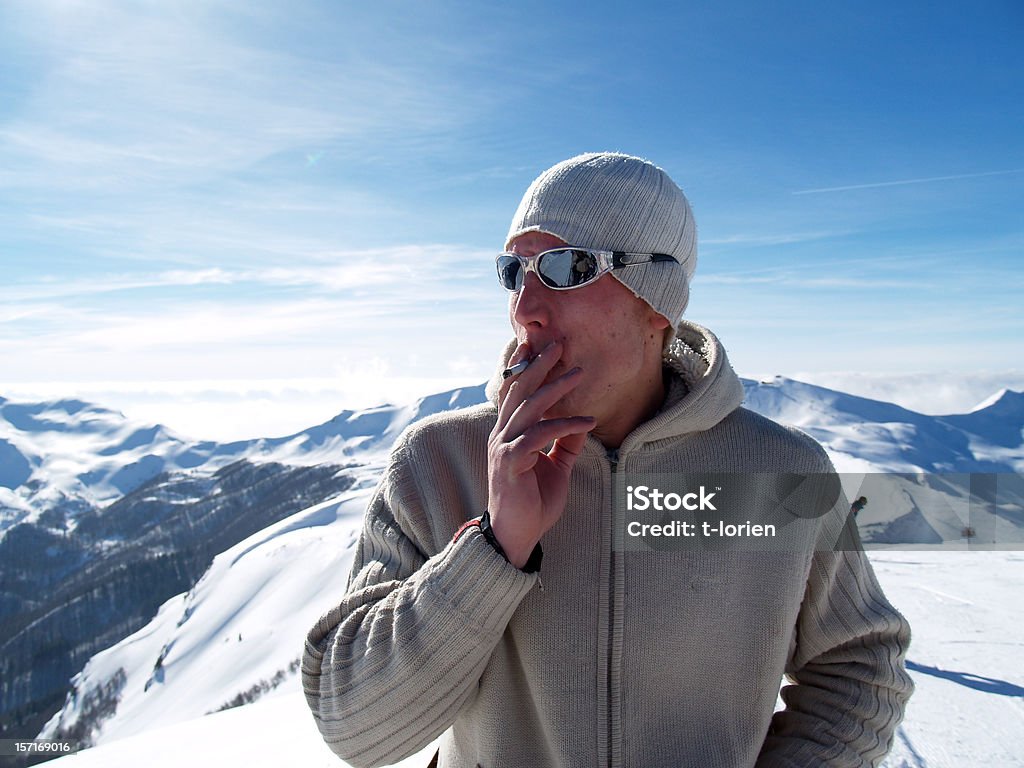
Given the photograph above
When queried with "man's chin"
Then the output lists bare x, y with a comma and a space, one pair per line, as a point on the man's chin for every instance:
566, 408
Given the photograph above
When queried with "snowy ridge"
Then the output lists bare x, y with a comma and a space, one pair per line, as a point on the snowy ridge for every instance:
996, 421
77, 455
870, 435
369, 432
65, 457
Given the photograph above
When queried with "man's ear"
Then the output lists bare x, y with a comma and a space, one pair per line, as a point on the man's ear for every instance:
658, 321
660, 324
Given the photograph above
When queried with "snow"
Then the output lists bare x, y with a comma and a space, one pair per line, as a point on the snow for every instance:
271, 733
966, 613
71, 450
239, 628
968, 709
244, 621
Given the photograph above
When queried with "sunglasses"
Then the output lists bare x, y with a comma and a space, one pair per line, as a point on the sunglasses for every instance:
563, 269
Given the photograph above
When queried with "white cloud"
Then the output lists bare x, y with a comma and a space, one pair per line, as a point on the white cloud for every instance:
784, 278
922, 392
234, 409
781, 238
904, 182
408, 305
145, 93
413, 273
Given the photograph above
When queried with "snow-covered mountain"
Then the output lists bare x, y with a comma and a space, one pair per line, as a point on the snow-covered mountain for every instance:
236, 635
870, 435
62, 458
107, 518
929, 479
67, 456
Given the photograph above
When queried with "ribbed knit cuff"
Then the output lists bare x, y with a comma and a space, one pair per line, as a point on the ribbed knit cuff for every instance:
479, 582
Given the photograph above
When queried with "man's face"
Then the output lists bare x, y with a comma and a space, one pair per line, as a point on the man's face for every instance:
614, 337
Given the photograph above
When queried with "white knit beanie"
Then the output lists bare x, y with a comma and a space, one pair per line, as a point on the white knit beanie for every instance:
609, 201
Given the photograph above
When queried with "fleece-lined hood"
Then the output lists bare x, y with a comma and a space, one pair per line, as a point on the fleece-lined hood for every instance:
703, 388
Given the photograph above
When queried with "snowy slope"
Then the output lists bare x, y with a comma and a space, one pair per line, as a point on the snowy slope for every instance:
966, 612
239, 630
916, 470
274, 732
965, 661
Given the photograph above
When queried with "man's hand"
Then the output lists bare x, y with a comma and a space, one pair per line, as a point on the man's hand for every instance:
528, 487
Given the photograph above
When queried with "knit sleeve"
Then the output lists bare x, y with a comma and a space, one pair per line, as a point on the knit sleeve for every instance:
389, 668
849, 685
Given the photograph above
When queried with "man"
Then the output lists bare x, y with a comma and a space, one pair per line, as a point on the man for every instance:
858, 505
646, 657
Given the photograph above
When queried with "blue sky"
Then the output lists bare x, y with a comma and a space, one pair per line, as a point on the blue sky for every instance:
247, 216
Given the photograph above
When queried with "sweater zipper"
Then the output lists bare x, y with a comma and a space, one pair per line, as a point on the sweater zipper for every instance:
613, 460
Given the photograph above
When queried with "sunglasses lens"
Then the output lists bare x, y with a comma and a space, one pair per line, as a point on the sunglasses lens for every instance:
560, 268
567, 268
510, 272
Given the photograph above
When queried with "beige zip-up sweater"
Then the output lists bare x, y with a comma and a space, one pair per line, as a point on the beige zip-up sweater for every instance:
619, 658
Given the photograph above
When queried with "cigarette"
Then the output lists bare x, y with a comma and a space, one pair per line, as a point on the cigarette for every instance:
516, 369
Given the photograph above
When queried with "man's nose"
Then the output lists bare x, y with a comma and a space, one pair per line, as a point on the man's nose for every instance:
532, 302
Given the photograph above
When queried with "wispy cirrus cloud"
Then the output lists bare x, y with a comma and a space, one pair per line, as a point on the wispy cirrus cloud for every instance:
419, 273
218, 190
796, 280
147, 105
768, 238
904, 182
422, 341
